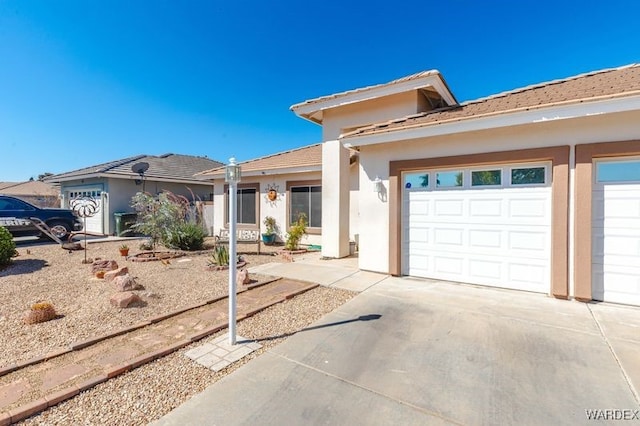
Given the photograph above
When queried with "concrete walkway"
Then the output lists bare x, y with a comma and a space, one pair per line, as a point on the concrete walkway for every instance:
411, 351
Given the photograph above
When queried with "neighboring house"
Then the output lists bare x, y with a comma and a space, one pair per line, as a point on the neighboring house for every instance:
36, 192
535, 189
281, 186
113, 184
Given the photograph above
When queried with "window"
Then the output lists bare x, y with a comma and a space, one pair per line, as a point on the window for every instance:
416, 180
619, 171
246, 213
450, 179
247, 207
486, 178
306, 199
527, 176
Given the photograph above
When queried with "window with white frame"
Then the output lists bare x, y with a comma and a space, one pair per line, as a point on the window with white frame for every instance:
246, 208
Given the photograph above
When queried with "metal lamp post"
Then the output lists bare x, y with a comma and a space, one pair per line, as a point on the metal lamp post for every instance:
232, 177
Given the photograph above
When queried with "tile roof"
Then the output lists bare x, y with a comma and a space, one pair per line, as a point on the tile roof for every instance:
28, 188
609, 83
307, 156
166, 167
367, 88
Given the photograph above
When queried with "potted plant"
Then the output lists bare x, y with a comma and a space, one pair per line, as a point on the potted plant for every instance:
124, 250
269, 235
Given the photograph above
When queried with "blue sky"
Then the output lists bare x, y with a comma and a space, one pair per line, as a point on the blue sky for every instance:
88, 82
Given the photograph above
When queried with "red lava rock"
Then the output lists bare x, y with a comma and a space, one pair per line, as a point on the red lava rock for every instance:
110, 276
124, 299
126, 283
103, 265
243, 277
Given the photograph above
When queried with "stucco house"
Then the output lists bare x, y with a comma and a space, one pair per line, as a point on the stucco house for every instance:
41, 194
535, 189
113, 184
281, 185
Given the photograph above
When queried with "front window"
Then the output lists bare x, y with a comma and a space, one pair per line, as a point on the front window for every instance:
246, 213
307, 200
247, 205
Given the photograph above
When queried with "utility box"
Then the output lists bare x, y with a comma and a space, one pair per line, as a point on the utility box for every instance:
124, 222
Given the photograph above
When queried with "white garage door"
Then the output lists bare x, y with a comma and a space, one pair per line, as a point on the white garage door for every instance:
489, 226
94, 223
616, 232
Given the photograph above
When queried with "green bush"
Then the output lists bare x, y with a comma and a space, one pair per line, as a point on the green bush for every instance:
297, 230
185, 236
7, 246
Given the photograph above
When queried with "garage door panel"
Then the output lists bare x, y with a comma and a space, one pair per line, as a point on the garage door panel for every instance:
449, 237
486, 208
616, 237
449, 208
529, 241
491, 269
485, 238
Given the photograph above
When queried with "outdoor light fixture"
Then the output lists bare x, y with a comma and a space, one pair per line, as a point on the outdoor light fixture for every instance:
232, 177
377, 185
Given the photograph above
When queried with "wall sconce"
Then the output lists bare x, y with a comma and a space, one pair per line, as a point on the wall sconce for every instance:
377, 185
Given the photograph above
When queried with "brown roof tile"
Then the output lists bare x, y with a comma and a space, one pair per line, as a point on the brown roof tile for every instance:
607, 83
307, 156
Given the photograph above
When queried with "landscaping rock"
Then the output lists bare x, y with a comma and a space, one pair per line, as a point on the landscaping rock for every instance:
111, 275
124, 299
243, 277
126, 283
103, 265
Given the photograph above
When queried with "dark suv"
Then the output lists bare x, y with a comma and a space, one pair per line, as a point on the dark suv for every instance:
14, 215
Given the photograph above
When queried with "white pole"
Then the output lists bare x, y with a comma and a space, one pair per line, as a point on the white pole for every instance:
233, 202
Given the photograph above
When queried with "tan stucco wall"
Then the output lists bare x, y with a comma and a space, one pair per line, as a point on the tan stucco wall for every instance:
368, 112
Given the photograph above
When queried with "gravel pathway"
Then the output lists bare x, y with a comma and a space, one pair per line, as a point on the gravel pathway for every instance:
153, 390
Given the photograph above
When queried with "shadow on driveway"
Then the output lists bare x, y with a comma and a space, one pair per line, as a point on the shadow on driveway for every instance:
370, 317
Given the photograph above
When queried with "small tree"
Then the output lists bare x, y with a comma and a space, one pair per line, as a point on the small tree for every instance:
169, 219
155, 215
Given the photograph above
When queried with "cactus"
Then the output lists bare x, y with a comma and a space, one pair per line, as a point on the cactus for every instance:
40, 312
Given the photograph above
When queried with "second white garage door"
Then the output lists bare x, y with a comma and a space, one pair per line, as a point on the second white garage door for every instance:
488, 226
616, 232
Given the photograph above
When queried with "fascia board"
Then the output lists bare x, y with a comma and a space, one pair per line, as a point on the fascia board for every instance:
306, 110
270, 172
563, 112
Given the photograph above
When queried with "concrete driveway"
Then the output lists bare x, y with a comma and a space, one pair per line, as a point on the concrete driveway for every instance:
411, 351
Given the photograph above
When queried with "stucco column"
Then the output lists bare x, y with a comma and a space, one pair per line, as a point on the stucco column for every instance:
335, 199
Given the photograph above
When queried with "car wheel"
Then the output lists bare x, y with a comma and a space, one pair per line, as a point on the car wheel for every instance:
59, 229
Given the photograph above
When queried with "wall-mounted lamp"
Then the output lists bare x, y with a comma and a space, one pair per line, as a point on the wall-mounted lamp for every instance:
377, 185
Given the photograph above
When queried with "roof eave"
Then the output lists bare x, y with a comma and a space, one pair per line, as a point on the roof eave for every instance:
308, 110
577, 109
272, 172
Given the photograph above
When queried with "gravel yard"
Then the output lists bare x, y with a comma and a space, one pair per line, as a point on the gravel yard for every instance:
48, 273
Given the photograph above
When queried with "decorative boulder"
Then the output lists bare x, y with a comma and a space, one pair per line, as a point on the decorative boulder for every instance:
243, 277
126, 283
124, 299
111, 275
103, 265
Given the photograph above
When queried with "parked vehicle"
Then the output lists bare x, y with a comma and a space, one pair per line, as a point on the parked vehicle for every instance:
15, 214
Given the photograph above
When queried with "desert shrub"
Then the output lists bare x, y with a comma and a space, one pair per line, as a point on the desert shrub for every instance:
168, 218
7, 246
185, 236
220, 256
296, 231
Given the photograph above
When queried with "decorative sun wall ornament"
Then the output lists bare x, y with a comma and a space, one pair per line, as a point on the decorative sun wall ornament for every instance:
272, 193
